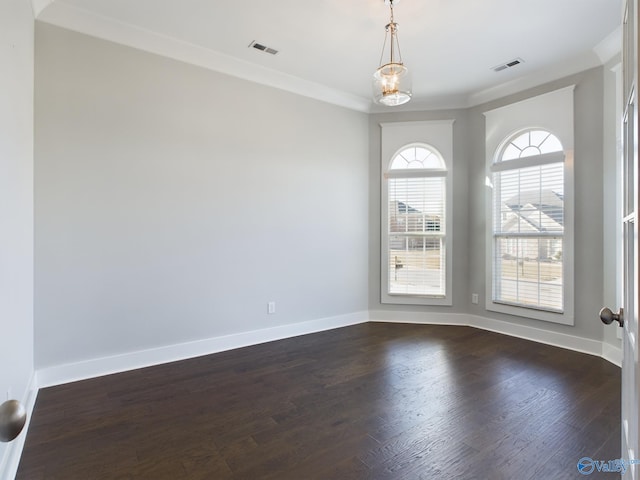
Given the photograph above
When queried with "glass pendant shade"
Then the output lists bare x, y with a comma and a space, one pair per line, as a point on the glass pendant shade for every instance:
392, 85
392, 80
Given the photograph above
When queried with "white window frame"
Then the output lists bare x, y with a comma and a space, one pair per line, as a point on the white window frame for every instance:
500, 167
437, 136
552, 112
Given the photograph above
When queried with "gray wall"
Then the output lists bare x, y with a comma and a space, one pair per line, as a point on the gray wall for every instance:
460, 231
16, 202
588, 245
469, 208
172, 202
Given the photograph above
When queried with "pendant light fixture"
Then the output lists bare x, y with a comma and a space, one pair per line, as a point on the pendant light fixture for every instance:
392, 80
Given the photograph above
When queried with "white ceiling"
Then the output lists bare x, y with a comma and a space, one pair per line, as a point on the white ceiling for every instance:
328, 49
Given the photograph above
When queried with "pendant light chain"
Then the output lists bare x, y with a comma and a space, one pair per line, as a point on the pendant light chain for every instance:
386, 34
392, 25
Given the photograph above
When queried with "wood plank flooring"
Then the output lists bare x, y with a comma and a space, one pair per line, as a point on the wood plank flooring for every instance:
372, 401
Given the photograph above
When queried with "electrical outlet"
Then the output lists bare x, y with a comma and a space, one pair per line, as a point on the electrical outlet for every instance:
474, 298
271, 308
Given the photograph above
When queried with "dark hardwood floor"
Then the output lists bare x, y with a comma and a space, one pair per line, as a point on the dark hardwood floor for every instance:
373, 401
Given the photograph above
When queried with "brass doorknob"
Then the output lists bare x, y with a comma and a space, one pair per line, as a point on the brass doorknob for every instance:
608, 317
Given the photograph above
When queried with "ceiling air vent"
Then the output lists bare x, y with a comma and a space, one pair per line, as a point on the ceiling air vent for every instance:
509, 64
263, 48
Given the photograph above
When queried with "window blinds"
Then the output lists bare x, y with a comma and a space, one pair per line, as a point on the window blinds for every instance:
416, 229
528, 233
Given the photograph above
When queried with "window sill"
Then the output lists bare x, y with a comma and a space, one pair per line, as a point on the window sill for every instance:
562, 318
399, 299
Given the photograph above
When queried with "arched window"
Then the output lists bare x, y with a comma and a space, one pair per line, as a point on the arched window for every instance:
529, 221
418, 157
530, 143
416, 219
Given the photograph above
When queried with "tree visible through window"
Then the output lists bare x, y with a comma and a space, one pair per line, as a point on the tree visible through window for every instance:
528, 222
416, 187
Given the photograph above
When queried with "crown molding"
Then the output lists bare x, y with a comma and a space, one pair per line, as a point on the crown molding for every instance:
39, 5
533, 80
603, 52
82, 21
421, 104
61, 14
610, 46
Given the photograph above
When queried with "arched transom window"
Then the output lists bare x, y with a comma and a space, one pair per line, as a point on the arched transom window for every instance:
417, 157
531, 143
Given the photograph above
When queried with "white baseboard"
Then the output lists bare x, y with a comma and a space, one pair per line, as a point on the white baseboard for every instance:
569, 342
59, 374
612, 353
419, 317
562, 340
11, 459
